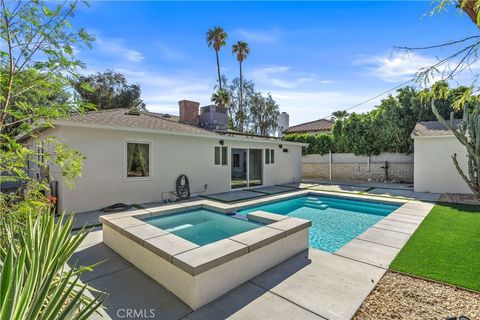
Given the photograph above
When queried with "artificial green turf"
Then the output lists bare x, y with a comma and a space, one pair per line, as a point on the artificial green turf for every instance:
445, 247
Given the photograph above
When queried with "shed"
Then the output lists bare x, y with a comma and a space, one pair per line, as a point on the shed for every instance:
434, 170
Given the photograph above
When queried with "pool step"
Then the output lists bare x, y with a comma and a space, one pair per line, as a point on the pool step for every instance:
374, 205
363, 207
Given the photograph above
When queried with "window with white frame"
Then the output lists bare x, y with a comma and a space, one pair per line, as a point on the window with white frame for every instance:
267, 156
220, 156
272, 156
138, 160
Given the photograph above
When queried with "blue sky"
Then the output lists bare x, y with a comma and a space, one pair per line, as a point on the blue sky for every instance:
313, 57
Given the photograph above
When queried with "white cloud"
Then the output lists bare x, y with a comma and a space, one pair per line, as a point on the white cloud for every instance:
284, 77
396, 67
118, 48
260, 36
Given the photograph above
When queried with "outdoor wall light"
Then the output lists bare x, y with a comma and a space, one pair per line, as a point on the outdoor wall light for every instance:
280, 146
221, 142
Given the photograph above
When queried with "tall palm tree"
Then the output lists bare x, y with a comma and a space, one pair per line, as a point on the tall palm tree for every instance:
217, 38
242, 50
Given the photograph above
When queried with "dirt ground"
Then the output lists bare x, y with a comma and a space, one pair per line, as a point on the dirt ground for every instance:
459, 198
399, 296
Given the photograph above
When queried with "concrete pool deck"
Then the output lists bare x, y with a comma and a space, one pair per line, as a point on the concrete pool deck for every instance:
311, 285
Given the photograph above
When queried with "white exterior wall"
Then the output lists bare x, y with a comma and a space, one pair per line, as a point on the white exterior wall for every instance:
102, 182
434, 170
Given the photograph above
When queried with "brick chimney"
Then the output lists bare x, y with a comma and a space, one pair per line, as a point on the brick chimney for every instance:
189, 112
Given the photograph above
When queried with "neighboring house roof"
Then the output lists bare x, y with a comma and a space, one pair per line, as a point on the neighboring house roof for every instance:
432, 129
312, 126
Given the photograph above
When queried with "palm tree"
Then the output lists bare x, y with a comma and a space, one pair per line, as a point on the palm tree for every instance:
241, 49
221, 98
217, 38
340, 114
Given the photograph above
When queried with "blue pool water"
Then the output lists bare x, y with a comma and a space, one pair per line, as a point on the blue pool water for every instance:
335, 221
202, 226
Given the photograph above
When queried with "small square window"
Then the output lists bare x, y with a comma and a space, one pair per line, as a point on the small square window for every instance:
285, 150
272, 156
267, 156
217, 156
138, 160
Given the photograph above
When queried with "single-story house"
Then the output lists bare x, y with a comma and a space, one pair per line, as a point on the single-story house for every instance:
434, 170
136, 157
313, 127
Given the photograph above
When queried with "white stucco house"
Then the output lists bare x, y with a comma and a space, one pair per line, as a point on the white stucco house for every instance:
136, 157
434, 170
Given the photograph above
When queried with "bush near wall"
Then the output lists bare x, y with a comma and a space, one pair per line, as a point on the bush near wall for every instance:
318, 143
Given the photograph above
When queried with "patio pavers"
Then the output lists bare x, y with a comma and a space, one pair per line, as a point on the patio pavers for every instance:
385, 237
372, 253
233, 196
391, 192
272, 189
299, 185
249, 301
397, 226
331, 286
130, 288
426, 196
98, 252
339, 188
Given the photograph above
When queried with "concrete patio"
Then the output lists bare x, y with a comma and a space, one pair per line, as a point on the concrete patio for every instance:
312, 285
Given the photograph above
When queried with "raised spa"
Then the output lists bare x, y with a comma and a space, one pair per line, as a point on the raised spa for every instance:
201, 255
202, 226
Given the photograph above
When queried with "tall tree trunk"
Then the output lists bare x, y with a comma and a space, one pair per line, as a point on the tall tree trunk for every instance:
241, 98
218, 71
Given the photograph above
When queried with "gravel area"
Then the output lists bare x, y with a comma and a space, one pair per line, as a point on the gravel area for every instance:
459, 198
398, 296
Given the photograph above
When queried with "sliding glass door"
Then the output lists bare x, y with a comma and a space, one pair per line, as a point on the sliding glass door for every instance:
246, 168
255, 172
239, 168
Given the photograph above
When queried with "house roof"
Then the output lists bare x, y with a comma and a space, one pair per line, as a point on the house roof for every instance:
145, 120
152, 121
317, 125
431, 129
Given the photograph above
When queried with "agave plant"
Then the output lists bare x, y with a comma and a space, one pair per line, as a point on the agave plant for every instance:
35, 280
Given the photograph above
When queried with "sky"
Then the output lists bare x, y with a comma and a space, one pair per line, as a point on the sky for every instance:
313, 57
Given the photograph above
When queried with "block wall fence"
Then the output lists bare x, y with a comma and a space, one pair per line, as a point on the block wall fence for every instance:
349, 167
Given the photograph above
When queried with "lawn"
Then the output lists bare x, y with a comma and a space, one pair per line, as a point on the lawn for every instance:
446, 247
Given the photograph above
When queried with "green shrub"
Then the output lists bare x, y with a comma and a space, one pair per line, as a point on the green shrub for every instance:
35, 282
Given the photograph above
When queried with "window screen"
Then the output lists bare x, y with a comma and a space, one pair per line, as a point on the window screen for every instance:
217, 155
224, 156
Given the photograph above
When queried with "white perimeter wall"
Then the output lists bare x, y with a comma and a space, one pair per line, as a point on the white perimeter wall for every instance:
102, 182
434, 170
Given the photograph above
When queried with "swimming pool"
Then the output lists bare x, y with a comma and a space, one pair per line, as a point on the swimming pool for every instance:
335, 221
